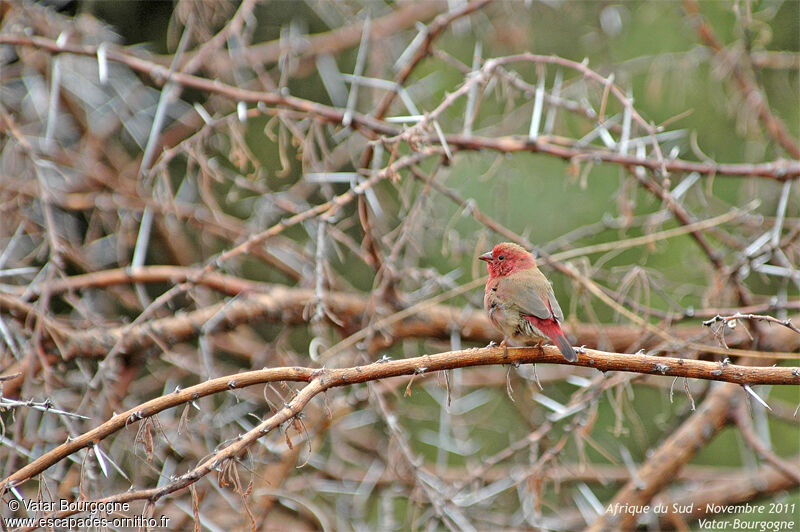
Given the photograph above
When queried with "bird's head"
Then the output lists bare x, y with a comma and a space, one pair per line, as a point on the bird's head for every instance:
506, 258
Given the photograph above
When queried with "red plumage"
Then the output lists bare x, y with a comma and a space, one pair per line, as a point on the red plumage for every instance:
520, 301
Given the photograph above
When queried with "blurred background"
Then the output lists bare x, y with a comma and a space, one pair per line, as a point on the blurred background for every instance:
361, 154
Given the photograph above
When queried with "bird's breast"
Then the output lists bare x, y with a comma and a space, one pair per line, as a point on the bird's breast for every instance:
501, 318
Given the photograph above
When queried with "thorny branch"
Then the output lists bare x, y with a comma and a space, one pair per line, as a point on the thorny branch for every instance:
779, 170
320, 380
730, 321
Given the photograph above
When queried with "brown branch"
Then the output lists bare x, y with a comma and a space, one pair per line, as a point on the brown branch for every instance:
710, 313
279, 303
232, 285
779, 170
739, 316
226, 284
320, 380
211, 463
151, 408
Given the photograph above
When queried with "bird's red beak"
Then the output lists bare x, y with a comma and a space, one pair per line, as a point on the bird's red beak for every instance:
486, 256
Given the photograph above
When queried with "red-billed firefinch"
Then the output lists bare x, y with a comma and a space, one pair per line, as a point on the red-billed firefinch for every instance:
520, 301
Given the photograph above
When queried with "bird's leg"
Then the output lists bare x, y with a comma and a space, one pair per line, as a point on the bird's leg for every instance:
504, 345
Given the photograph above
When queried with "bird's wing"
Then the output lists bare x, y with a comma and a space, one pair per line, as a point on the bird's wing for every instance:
559, 315
527, 299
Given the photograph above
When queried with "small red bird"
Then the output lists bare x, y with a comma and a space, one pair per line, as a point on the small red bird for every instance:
520, 301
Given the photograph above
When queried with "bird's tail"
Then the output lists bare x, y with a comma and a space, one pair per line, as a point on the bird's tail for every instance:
552, 329
566, 350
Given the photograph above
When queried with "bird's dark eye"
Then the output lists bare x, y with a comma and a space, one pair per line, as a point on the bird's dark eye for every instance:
501, 257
